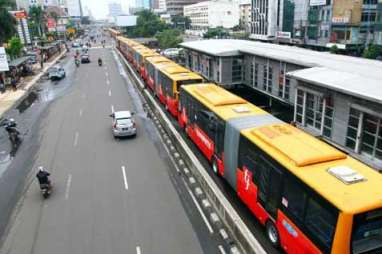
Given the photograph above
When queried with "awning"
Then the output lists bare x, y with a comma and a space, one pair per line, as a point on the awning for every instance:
18, 61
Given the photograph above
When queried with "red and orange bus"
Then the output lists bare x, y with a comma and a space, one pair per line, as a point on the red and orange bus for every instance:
311, 197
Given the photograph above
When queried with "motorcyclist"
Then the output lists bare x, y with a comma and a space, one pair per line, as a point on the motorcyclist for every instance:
12, 130
43, 177
99, 61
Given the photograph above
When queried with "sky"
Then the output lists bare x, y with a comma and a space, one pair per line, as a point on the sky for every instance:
99, 8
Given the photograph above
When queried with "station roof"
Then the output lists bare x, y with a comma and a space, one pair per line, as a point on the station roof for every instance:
350, 75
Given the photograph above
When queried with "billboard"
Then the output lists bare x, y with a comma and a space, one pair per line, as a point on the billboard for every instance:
126, 20
317, 2
3, 60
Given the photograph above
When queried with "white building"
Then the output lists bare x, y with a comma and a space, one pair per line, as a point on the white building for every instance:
245, 14
267, 19
115, 9
74, 8
211, 14
162, 5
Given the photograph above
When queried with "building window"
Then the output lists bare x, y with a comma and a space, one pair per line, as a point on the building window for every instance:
284, 83
368, 16
270, 79
314, 112
265, 79
287, 88
364, 134
236, 70
251, 74
256, 77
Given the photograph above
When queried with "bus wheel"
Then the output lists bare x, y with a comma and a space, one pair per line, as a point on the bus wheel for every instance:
272, 233
215, 166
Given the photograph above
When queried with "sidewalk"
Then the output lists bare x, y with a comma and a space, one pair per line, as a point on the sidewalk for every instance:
10, 97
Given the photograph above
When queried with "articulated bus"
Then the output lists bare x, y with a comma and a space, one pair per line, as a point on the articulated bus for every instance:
140, 56
114, 33
311, 197
152, 65
171, 78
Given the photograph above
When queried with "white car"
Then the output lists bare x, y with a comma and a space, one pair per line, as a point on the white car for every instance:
56, 72
123, 124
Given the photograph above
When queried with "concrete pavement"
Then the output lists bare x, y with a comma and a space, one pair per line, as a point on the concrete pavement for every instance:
110, 196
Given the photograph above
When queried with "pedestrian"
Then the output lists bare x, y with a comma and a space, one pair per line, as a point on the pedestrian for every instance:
14, 83
2, 84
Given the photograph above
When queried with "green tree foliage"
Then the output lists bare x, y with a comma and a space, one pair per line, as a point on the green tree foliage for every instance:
218, 32
181, 22
148, 24
334, 49
169, 38
37, 18
372, 52
14, 47
7, 21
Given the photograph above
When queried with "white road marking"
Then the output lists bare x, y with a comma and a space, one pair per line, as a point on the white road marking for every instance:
124, 177
199, 208
80, 112
109, 92
107, 74
108, 81
68, 183
222, 251
112, 109
75, 139
138, 250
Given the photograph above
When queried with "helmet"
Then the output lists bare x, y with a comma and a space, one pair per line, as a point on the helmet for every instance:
11, 122
41, 169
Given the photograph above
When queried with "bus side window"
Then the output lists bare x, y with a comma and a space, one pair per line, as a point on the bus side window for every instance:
293, 200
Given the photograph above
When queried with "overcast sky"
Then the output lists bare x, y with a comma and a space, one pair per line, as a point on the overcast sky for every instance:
100, 9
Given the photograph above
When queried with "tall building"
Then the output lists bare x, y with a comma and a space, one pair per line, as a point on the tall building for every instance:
162, 5
74, 8
115, 9
267, 19
245, 14
175, 7
378, 25
143, 4
211, 14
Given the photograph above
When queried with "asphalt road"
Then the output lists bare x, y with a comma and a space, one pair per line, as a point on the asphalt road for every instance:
110, 196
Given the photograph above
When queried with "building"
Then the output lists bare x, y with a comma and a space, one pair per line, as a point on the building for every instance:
267, 19
378, 25
155, 4
211, 14
74, 8
175, 7
337, 98
115, 9
162, 5
245, 8
143, 4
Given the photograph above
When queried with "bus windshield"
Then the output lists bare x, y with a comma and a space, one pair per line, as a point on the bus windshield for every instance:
367, 232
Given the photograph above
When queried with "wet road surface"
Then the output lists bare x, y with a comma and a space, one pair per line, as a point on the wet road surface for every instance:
110, 195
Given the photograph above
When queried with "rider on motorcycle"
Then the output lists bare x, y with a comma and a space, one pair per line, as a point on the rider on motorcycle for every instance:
99, 61
12, 130
43, 177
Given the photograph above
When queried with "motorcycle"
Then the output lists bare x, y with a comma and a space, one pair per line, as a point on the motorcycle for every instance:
46, 190
99, 62
77, 62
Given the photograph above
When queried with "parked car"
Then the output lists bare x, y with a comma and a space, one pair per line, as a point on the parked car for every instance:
32, 57
75, 45
123, 124
56, 72
85, 58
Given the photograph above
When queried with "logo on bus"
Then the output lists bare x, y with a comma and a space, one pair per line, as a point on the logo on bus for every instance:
247, 177
203, 138
289, 228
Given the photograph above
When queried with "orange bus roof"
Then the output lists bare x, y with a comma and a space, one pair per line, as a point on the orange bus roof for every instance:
157, 59
223, 103
310, 159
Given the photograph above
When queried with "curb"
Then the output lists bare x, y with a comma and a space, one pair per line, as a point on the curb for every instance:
224, 212
29, 86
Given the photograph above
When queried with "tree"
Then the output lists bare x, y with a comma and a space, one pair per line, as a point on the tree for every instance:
169, 38
7, 21
218, 32
37, 17
148, 24
14, 47
181, 22
334, 49
372, 52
